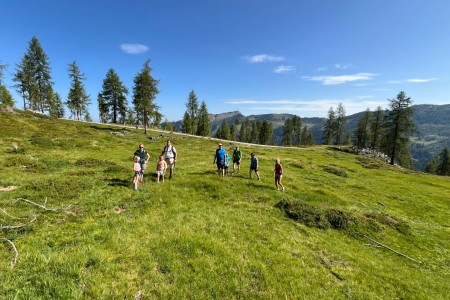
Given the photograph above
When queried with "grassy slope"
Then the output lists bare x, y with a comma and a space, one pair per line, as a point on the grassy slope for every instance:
200, 236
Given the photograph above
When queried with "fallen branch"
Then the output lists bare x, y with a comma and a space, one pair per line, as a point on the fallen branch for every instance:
384, 246
38, 205
16, 253
4, 211
372, 245
16, 226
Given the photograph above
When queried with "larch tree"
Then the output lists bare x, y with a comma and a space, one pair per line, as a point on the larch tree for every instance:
288, 132
340, 122
296, 130
362, 132
192, 111
56, 106
6, 99
33, 77
398, 127
376, 129
144, 94
203, 124
77, 99
114, 97
329, 130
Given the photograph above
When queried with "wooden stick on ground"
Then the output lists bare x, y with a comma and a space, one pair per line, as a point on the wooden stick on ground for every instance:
16, 253
16, 226
38, 205
384, 246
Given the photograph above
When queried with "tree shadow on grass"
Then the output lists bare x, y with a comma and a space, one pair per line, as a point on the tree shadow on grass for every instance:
119, 182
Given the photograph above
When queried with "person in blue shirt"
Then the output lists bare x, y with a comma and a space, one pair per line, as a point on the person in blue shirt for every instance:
254, 166
219, 159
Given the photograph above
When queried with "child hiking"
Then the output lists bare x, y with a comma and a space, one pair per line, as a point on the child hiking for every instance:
278, 173
137, 172
237, 156
254, 166
161, 168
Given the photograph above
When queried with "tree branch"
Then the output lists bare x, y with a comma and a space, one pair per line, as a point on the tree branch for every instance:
16, 253
16, 226
38, 205
384, 246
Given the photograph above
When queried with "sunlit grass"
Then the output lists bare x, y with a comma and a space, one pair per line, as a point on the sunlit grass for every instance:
201, 236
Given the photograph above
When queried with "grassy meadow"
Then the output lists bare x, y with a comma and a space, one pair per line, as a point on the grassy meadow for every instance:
199, 236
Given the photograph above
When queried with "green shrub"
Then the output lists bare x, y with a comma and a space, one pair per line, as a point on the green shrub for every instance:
339, 219
305, 213
335, 171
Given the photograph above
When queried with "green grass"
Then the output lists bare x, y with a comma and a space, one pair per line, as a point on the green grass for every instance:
199, 236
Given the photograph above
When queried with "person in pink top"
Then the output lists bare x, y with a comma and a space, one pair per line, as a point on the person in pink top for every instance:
278, 172
137, 172
161, 168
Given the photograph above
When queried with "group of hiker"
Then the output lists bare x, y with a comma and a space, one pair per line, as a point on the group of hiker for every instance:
168, 157
222, 159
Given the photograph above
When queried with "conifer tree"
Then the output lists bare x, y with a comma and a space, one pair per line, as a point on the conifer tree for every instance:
224, 131
398, 128
168, 125
203, 124
192, 111
56, 106
265, 133
102, 109
362, 133
114, 97
33, 77
329, 130
443, 168
186, 123
340, 122
77, 100
288, 132
376, 129
6, 99
296, 130
144, 93
233, 132
130, 119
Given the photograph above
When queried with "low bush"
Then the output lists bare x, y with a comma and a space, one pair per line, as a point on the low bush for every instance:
335, 171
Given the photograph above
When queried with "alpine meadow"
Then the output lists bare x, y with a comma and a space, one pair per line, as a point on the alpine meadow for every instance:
347, 226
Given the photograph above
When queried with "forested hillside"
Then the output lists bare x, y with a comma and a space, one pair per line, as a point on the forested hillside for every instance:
432, 124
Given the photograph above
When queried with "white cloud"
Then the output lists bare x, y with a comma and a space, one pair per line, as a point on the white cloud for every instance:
134, 48
284, 69
343, 66
263, 58
413, 80
417, 80
340, 79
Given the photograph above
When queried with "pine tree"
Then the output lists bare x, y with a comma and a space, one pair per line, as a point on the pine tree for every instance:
362, 133
56, 106
432, 166
130, 119
6, 99
192, 111
204, 124
265, 133
398, 128
340, 122
186, 124
77, 100
144, 93
102, 109
329, 130
288, 132
296, 130
114, 97
245, 131
168, 126
33, 77
443, 168
376, 129
233, 132
224, 131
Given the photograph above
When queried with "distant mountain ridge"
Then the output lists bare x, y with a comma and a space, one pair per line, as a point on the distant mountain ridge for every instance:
432, 124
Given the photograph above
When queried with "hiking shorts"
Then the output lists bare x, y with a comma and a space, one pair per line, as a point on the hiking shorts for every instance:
160, 172
253, 169
170, 161
143, 166
237, 161
220, 165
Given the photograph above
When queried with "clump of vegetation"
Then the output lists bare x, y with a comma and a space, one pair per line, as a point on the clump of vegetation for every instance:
92, 162
335, 171
313, 216
400, 225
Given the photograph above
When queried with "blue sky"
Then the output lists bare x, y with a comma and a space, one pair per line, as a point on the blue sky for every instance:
284, 56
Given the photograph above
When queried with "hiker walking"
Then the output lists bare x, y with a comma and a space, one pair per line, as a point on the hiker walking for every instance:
170, 155
137, 172
278, 173
254, 166
237, 156
220, 158
144, 157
